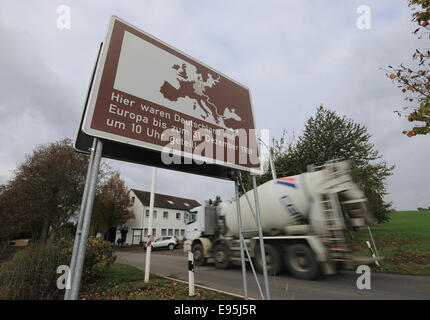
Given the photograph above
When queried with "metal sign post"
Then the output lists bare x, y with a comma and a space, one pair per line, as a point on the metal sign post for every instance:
76, 278
272, 164
80, 223
243, 247
148, 243
241, 240
260, 234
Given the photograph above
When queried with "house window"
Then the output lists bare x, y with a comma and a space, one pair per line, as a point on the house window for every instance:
154, 214
132, 200
154, 232
163, 232
170, 232
170, 202
146, 232
177, 232
187, 204
182, 232
178, 215
185, 217
165, 215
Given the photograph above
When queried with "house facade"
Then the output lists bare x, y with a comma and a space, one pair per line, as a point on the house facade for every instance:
169, 217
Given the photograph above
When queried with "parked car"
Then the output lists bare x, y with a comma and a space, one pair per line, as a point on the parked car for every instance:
170, 242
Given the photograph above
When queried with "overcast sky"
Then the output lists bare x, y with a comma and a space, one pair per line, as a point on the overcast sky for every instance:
293, 55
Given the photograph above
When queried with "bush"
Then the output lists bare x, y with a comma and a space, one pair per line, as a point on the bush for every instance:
99, 255
32, 272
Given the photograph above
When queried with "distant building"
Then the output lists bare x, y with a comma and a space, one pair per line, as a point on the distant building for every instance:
169, 217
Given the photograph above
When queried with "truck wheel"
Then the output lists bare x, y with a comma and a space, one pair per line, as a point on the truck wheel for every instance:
198, 255
273, 259
221, 256
301, 262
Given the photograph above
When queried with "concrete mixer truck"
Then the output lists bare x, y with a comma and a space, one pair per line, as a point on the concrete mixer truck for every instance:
308, 221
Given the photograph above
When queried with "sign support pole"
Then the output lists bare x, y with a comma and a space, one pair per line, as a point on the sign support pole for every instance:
260, 234
241, 240
79, 226
148, 243
272, 164
76, 283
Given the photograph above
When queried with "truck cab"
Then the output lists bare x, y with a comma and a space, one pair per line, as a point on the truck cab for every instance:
195, 223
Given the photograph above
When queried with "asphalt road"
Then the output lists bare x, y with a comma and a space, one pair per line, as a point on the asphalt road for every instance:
174, 264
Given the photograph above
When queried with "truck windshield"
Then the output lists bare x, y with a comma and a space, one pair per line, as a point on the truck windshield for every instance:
192, 217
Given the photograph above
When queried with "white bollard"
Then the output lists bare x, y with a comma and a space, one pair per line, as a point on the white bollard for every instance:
190, 274
151, 210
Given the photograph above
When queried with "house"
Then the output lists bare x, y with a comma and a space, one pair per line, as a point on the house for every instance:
169, 217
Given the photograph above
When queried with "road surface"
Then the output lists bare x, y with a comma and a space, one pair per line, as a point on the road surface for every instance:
174, 264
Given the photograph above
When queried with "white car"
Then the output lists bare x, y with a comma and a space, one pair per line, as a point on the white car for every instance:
170, 242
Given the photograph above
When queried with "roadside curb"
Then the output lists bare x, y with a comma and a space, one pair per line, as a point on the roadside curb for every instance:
208, 288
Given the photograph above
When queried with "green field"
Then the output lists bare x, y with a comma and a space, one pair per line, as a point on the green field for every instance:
403, 242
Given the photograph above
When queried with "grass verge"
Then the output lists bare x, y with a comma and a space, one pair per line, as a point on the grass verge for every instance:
7, 253
124, 282
404, 243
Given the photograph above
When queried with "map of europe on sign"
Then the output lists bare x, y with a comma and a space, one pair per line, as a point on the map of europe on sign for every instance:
143, 86
172, 82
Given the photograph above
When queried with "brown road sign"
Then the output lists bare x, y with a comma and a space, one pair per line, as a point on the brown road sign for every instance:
148, 95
